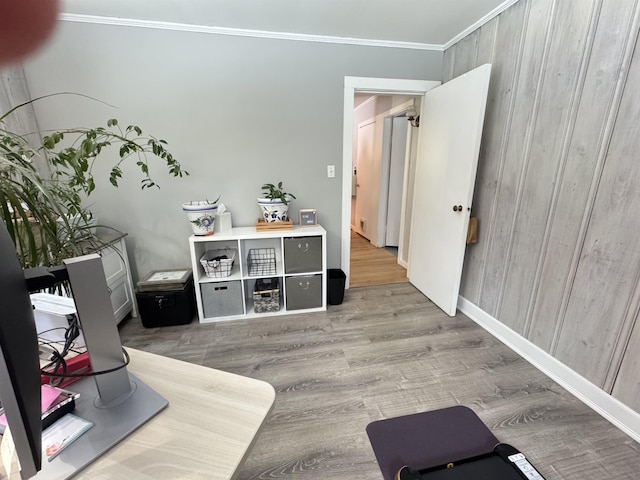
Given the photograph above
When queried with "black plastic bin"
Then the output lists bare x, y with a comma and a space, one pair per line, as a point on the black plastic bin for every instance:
336, 280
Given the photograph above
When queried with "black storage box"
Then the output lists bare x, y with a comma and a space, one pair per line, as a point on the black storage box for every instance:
166, 297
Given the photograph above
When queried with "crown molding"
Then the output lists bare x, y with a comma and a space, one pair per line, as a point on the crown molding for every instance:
486, 19
241, 32
299, 37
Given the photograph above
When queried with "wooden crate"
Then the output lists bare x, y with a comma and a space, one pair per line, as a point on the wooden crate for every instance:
262, 226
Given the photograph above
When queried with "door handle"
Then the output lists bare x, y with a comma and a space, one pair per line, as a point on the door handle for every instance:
457, 208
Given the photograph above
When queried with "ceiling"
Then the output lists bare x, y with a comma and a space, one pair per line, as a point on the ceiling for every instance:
403, 23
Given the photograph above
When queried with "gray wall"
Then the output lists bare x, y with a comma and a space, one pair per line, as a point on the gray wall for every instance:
558, 186
236, 111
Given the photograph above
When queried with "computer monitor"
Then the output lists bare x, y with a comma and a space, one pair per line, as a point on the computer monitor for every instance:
19, 362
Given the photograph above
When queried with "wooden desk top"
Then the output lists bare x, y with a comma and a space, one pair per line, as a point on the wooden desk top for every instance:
208, 429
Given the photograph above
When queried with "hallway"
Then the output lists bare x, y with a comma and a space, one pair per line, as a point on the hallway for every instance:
373, 266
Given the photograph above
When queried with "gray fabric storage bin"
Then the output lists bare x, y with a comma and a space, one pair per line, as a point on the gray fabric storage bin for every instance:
302, 254
221, 299
304, 291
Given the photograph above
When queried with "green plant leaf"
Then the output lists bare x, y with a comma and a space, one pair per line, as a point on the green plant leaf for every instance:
36, 207
48, 142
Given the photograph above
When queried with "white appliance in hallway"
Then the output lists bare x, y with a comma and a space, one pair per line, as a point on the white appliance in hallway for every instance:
393, 165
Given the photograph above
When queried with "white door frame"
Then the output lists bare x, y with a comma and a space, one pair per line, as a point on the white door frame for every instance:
387, 86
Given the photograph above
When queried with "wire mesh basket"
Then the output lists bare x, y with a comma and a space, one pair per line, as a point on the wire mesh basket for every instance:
261, 261
266, 295
218, 263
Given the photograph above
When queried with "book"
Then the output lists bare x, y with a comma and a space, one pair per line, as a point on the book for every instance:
50, 397
62, 434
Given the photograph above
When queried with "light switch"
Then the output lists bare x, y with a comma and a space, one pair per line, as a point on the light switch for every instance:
331, 171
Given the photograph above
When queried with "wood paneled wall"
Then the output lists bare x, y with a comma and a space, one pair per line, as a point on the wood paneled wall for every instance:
558, 188
13, 92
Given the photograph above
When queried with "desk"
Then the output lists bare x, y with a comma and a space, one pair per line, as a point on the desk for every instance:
207, 431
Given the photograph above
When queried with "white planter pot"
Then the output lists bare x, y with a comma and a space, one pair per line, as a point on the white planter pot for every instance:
273, 210
201, 215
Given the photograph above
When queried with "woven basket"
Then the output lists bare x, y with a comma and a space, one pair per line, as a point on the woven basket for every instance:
266, 295
218, 263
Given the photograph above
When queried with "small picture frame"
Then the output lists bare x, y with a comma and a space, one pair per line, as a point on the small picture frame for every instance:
308, 217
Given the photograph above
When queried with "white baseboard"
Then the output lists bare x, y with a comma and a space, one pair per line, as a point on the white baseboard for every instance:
613, 410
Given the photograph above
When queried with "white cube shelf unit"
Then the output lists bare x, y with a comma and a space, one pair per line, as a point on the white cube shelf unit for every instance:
300, 272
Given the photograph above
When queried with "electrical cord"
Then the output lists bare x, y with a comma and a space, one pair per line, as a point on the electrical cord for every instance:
127, 360
57, 360
51, 343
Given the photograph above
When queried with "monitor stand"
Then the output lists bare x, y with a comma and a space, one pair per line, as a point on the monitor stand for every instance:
111, 424
116, 403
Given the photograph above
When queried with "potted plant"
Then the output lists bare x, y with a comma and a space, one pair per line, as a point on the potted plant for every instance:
274, 203
45, 214
201, 215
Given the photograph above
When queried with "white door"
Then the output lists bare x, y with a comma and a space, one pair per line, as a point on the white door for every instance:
448, 146
366, 197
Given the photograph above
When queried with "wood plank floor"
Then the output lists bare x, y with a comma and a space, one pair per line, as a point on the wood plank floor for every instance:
373, 266
388, 351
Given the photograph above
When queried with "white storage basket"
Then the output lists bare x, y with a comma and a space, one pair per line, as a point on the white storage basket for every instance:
218, 263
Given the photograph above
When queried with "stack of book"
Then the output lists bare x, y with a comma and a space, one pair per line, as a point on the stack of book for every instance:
59, 426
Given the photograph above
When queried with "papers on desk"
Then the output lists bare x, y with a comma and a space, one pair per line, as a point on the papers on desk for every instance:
62, 434
64, 428
54, 440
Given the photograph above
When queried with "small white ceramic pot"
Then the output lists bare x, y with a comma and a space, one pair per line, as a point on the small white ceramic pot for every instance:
201, 215
273, 210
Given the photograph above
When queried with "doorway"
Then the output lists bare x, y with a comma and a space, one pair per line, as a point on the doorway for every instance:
449, 145
371, 87
382, 139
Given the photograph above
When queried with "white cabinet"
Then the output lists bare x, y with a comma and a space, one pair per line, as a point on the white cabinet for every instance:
274, 272
117, 272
